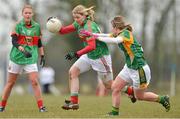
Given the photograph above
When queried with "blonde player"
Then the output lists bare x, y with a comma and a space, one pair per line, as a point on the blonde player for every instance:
95, 54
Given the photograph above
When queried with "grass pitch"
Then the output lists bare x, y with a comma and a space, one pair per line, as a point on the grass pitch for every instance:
90, 107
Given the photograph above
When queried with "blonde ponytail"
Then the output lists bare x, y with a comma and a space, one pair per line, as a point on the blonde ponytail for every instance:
88, 12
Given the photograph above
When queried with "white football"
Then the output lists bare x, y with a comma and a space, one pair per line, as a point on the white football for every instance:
53, 25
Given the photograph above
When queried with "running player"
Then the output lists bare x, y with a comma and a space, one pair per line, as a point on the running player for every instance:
136, 69
95, 54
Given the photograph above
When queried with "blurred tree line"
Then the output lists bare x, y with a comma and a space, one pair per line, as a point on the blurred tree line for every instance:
154, 22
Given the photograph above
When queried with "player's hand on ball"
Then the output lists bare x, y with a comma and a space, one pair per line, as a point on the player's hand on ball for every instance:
71, 55
27, 54
42, 61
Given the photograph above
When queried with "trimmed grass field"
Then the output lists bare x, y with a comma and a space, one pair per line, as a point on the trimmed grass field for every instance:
90, 107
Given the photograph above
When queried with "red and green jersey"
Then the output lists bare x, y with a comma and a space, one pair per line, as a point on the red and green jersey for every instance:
101, 47
132, 50
28, 38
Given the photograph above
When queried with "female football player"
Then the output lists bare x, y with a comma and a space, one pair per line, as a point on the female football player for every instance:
26, 41
136, 69
95, 54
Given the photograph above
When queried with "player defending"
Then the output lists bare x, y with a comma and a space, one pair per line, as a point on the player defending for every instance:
26, 40
136, 69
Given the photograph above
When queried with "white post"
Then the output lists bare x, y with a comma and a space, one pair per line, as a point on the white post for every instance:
173, 82
1, 80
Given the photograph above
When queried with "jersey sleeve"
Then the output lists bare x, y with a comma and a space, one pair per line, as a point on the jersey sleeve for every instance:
102, 34
67, 29
91, 45
111, 40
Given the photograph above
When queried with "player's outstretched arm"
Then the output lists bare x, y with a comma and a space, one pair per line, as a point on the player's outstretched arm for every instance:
102, 34
111, 40
88, 34
67, 29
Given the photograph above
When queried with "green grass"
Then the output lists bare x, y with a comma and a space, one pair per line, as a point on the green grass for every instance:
90, 107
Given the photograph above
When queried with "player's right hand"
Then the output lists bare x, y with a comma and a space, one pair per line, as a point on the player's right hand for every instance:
27, 54
71, 55
42, 61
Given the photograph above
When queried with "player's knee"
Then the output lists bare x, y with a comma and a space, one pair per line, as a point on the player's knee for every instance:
34, 83
73, 73
108, 84
115, 88
10, 83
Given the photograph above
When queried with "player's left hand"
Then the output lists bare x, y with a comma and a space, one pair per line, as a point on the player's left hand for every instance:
86, 33
71, 55
42, 61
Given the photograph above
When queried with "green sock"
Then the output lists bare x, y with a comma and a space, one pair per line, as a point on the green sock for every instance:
161, 99
115, 110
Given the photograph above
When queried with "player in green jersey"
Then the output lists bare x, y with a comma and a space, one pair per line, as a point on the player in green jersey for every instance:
95, 54
26, 41
136, 69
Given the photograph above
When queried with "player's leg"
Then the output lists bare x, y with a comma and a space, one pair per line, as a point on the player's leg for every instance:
33, 77
101, 90
152, 97
141, 83
74, 89
80, 66
32, 72
117, 85
7, 90
13, 71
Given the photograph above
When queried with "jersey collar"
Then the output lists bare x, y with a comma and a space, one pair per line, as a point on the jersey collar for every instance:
24, 24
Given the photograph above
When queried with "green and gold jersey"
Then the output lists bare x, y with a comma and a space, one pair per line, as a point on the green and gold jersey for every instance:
28, 38
101, 47
132, 50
